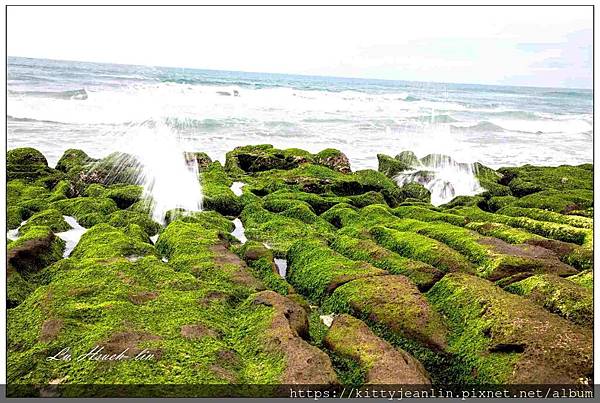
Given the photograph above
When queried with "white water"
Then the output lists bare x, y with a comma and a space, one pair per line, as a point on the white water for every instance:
236, 188
72, 236
327, 319
239, 232
154, 238
281, 267
13, 234
169, 180
444, 178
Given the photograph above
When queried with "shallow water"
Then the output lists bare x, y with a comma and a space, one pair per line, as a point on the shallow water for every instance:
72, 236
281, 266
239, 232
236, 188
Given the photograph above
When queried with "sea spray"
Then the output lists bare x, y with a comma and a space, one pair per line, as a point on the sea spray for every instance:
170, 181
443, 177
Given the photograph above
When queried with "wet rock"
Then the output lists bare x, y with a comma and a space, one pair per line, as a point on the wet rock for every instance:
383, 363
333, 159
197, 331
393, 301
508, 339
304, 363
34, 250
391, 167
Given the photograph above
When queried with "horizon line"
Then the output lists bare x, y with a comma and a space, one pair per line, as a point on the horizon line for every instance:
300, 74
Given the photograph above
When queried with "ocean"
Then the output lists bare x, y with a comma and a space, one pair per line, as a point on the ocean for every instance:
100, 108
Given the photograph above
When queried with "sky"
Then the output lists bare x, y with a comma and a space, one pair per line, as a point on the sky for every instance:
541, 46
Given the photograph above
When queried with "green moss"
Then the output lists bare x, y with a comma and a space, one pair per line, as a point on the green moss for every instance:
123, 218
216, 191
30, 165
389, 166
73, 159
104, 241
422, 274
35, 249
506, 339
559, 201
495, 203
135, 305
17, 289
207, 219
278, 231
334, 159
315, 270
30, 198
50, 218
341, 215
558, 295
419, 247
81, 206
124, 195
260, 260
584, 279
530, 179
264, 157
392, 301
426, 214
15, 215
503, 232
415, 191
550, 230
550, 216
489, 180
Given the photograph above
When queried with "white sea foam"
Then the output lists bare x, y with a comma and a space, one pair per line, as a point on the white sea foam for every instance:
239, 232
72, 236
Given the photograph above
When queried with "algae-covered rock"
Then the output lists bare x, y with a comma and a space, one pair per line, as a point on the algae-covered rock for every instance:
392, 301
316, 270
261, 261
51, 218
507, 339
584, 279
28, 164
419, 247
73, 159
558, 295
304, 363
216, 191
35, 249
78, 207
422, 274
264, 157
415, 191
104, 241
530, 179
382, 363
390, 167
334, 159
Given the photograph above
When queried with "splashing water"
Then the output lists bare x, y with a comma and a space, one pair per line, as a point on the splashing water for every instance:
170, 180
443, 177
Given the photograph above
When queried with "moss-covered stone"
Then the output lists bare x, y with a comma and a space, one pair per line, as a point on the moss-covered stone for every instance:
30, 165
124, 195
277, 230
104, 241
584, 279
216, 191
419, 247
507, 339
415, 191
78, 207
530, 179
558, 295
334, 159
422, 274
35, 249
264, 157
550, 216
392, 301
73, 159
391, 167
382, 363
51, 218
316, 270
260, 260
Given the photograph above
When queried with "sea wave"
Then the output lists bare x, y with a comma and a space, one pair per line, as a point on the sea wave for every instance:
79, 94
483, 126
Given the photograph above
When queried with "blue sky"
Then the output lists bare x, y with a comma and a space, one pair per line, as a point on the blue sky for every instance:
532, 46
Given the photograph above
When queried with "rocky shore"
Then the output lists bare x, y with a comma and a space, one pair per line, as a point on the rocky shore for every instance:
380, 286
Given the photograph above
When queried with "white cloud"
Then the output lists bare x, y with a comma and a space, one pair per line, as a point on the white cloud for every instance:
453, 44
